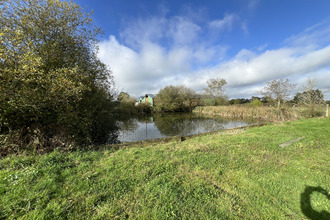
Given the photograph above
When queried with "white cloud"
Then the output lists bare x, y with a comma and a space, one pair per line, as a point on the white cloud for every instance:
244, 27
155, 52
247, 70
314, 36
262, 47
140, 31
158, 51
135, 71
183, 31
224, 24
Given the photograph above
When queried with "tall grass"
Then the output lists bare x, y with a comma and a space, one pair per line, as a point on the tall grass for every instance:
263, 113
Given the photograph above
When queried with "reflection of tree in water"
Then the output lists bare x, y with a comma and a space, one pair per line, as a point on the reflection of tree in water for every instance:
207, 124
170, 124
130, 124
185, 124
174, 124
146, 119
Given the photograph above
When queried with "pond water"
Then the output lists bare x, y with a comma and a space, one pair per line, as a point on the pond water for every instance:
167, 125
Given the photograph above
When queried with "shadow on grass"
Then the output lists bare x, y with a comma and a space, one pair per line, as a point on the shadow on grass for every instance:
306, 203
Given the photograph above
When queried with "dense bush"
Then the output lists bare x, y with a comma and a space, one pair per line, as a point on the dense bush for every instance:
176, 99
255, 103
238, 101
54, 90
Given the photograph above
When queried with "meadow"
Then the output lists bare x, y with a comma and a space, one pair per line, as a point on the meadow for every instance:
235, 174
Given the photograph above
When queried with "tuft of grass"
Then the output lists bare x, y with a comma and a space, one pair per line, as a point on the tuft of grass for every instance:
233, 175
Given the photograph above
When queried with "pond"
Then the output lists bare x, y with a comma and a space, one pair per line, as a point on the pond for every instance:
175, 124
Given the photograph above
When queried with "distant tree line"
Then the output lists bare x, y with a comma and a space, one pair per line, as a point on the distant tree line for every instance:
275, 93
177, 98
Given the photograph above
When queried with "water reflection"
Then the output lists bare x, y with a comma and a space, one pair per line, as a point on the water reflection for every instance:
165, 125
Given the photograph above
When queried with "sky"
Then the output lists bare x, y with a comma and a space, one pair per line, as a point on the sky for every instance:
152, 44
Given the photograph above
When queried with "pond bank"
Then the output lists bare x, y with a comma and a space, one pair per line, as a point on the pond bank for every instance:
240, 175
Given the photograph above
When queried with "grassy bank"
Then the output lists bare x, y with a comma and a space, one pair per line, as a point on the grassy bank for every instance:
240, 174
264, 113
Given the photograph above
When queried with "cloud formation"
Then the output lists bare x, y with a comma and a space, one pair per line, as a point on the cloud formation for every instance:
157, 51
249, 71
224, 24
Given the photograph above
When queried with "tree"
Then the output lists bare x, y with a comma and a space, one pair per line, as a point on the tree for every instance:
191, 99
126, 105
215, 90
175, 99
278, 90
124, 97
310, 96
53, 87
238, 101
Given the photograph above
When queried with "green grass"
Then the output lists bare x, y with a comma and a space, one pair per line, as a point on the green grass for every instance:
231, 175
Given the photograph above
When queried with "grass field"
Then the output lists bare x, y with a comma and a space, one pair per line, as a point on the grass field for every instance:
239, 174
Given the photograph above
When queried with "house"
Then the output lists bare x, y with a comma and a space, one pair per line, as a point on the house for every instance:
148, 99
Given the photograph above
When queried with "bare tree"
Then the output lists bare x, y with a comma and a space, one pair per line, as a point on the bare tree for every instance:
278, 90
215, 89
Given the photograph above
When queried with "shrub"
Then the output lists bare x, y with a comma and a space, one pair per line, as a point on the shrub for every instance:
255, 103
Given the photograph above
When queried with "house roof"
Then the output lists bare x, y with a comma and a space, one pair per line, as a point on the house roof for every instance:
151, 95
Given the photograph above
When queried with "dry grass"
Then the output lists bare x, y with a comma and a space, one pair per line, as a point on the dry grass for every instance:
263, 113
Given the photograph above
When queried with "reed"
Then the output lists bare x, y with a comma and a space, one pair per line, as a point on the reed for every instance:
262, 113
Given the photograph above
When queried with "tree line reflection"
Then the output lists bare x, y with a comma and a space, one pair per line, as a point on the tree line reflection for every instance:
171, 124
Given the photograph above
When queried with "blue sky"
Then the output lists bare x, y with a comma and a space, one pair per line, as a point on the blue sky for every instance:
151, 44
